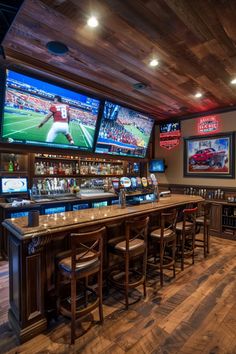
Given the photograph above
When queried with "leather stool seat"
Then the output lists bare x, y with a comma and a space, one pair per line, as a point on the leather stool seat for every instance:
157, 233
65, 263
133, 244
180, 225
200, 220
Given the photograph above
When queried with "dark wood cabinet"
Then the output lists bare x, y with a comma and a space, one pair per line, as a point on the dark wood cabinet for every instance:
216, 219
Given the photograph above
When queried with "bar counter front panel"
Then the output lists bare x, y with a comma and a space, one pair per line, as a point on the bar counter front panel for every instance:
33, 250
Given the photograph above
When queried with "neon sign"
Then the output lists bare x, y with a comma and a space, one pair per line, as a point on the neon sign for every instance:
208, 125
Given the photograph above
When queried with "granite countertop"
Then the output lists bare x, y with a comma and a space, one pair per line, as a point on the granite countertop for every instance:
73, 219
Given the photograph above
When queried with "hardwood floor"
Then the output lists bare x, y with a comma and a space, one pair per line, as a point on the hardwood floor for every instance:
193, 314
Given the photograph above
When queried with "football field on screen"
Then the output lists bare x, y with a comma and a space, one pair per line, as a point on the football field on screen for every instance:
23, 125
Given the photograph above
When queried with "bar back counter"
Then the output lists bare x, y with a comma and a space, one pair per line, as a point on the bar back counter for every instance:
32, 253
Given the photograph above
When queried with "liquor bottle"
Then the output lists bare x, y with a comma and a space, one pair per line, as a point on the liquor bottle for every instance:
60, 169
10, 166
77, 168
16, 166
73, 169
67, 169
55, 169
51, 169
37, 169
70, 169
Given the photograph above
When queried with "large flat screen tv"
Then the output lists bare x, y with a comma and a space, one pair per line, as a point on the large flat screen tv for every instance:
40, 113
123, 131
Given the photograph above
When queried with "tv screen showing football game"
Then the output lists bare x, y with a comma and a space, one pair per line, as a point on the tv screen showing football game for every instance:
40, 113
123, 131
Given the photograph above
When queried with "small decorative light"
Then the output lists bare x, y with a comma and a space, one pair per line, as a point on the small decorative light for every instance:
154, 62
92, 22
198, 95
233, 82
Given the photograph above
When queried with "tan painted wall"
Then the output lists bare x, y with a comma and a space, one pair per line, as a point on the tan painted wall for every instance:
174, 157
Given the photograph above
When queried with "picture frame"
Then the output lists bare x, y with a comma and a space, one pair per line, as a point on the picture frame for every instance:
210, 156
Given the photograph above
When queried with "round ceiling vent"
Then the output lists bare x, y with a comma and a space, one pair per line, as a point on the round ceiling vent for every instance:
57, 48
139, 86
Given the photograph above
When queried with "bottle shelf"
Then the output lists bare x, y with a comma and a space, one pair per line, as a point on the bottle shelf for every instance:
79, 159
229, 227
76, 176
14, 172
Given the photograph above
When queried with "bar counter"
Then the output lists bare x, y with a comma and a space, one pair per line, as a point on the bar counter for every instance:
32, 253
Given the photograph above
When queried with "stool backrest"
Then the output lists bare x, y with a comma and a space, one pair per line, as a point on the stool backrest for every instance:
86, 246
136, 229
168, 221
207, 210
189, 216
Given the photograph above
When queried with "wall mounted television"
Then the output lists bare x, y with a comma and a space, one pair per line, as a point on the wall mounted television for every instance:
123, 131
14, 185
40, 113
157, 165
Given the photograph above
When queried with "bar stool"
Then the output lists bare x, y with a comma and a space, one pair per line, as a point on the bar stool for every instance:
164, 239
129, 247
203, 220
84, 260
186, 230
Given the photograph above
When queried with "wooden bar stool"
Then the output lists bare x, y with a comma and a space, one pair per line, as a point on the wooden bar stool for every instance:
163, 240
84, 260
129, 247
186, 231
203, 220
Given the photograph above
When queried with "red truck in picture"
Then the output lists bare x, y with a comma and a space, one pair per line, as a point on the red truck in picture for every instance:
210, 157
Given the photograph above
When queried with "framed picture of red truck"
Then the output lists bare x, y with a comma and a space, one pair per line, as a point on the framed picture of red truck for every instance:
211, 156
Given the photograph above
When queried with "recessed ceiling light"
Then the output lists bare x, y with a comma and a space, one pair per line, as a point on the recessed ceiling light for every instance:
154, 62
198, 95
233, 81
92, 22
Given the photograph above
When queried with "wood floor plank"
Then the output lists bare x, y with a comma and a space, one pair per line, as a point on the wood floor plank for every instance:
192, 314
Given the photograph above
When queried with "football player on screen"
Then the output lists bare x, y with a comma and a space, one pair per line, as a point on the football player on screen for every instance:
61, 118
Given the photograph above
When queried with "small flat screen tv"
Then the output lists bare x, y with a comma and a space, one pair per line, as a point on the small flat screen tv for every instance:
157, 166
39, 113
14, 185
123, 131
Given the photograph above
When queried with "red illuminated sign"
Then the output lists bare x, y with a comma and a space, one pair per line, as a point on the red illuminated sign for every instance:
208, 125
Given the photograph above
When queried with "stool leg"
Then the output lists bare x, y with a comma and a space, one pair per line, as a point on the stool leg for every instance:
73, 307
182, 251
100, 295
161, 262
85, 291
204, 240
107, 271
126, 280
58, 300
193, 247
208, 239
144, 273
173, 256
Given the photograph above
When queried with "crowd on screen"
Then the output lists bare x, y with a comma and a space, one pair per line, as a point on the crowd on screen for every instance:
142, 124
111, 129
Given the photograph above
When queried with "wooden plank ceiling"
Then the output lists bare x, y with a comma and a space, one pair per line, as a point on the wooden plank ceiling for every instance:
194, 41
